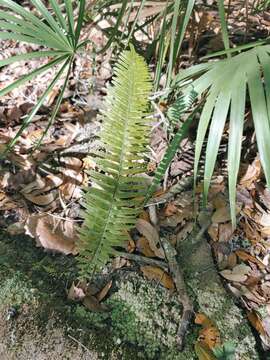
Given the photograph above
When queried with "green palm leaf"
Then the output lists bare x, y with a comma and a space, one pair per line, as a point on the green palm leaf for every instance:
113, 203
55, 31
226, 84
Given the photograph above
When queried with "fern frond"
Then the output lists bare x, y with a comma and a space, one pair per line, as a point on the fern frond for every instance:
113, 203
181, 105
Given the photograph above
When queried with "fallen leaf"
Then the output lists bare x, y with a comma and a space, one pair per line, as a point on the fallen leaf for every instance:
225, 232
142, 245
256, 322
91, 303
103, 292
209, 335
247, 257
42, 200
159, 275
152, 235
75, 293
238, 274
170, 209
252, 174
203, 352
223, 214
52, 234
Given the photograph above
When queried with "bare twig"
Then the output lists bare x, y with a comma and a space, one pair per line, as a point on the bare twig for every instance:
143, 260
184, 299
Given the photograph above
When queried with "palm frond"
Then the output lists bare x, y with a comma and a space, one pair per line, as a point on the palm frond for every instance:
55, 31
226, 84
113, 203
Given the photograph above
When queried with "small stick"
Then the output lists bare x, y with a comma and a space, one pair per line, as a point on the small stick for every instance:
184, 299
143, 259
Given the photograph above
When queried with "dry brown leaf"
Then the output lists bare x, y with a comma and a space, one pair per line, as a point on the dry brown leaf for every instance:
203, 352
103, 292
252, 174
209, 335
119, 262
256, 322
247, 257
222, 214
159, 275
213, 231
142, 245
225, 232
6, 203
170, 209
52, 234
42, 200
238, 274
91, 303
75, 293
152, 235
231, 261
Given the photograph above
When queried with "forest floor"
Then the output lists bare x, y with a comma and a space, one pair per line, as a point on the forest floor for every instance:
132, 309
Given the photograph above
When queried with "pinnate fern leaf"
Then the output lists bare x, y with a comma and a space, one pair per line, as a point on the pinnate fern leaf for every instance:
114, 201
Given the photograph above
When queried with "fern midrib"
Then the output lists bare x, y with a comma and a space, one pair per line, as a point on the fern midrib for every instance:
122, 153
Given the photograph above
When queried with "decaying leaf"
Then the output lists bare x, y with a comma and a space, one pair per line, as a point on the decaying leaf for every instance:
91, 303
142, 245
159, 275
203, 352
238, 274
103, 292
252, 174
256, 322
152, 235
247, 257
51, 233
209, 337
75, 293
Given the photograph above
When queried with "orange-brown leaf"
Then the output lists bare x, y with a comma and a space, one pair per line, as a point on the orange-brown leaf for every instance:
159, 275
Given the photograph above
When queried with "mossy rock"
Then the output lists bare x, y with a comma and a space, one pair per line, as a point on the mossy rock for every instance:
38, 322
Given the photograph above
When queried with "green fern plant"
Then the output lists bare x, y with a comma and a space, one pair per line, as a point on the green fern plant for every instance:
114, 201
56, 31
175, 112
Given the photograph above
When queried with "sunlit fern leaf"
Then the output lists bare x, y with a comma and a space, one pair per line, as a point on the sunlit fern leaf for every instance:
113, 202
175, 113
53, 30
181, 105
226, 84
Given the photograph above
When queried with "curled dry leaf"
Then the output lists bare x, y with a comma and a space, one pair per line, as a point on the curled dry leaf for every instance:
238, 274
209, 337
252, 174
256, 322
159, 275
103, 292
75, 293
6, 203
42, 200
152, 235
51, 233
247, 257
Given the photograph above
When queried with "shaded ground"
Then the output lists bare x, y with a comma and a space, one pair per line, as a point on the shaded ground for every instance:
38, 322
